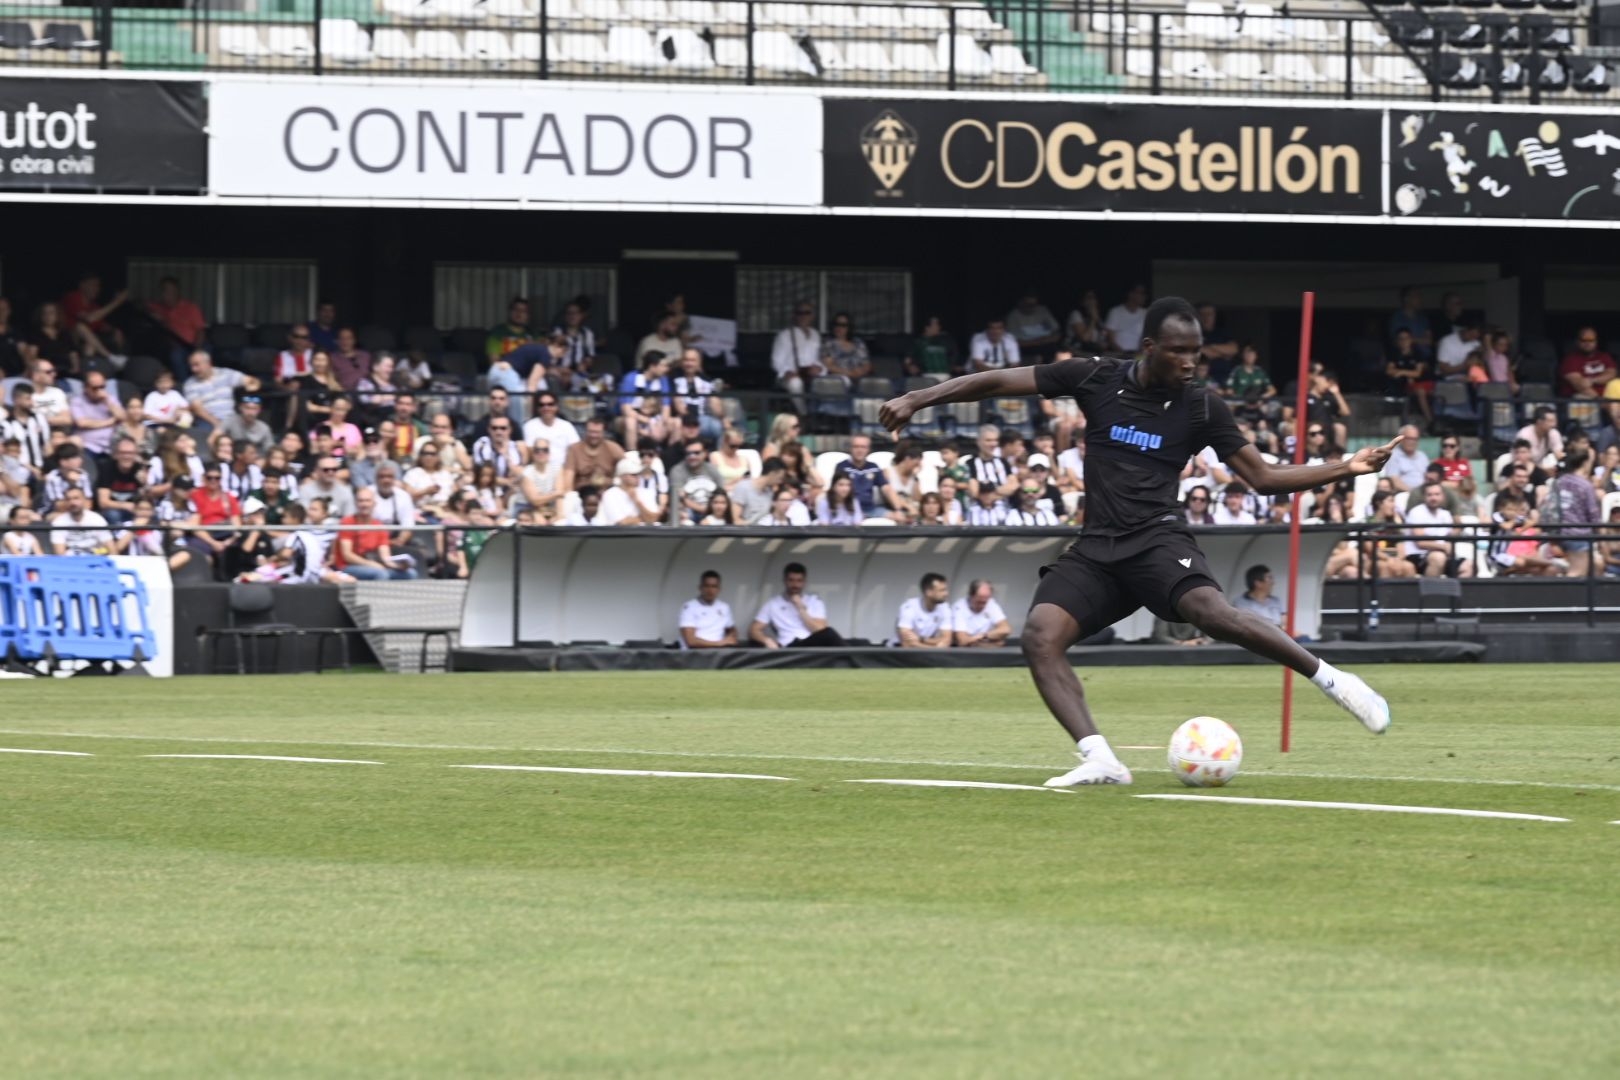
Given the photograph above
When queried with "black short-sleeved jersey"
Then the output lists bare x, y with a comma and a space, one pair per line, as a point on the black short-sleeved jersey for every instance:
1137, 440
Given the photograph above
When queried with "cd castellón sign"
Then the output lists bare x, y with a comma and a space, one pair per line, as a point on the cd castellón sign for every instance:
1089, 156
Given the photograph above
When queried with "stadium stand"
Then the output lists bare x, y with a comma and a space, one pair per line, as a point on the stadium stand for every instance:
1330, 48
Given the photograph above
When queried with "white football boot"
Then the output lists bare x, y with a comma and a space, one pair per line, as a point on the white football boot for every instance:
1352, 694
1092, 772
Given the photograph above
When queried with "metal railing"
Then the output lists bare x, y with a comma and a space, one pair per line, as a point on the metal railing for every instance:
1105, 46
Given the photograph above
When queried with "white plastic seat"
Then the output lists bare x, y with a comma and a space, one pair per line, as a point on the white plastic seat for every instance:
868, 56
439, 45
927, 18
243, 41
411, 9
1368, 32
290, 41
796, 16
1292, 67
1246, 66
343, 40
975, 18
391, 43
1260, 23
734, 12
488, 47
1333, 71
460, 9
1397, 70
516, 10
775, 51
1316, 30
914, 58
970, 59
880, 17
633, 47
1193, 64
730, 52
826, 462
1207, 19
1009, 60
695, 12
582, 49
691, 51
1139, 62
526, 47
835, 15
600, 10
646, 11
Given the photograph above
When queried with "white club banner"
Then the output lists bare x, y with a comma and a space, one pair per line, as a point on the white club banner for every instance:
517, 141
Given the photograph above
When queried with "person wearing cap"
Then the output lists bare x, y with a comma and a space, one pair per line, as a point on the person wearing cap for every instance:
245, 424
254, 547
363, 468
1038, 471
625, 503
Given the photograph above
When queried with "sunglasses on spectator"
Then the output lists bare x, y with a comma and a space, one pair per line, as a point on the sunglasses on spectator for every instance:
548, 404
1198, 498
1314, 431
1449, 446
499, 427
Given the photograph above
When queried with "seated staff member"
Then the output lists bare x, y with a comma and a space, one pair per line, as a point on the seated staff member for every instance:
925, 621
793, 617
977, 620
706, 622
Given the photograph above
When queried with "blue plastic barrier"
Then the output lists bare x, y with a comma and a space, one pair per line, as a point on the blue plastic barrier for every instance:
71, 608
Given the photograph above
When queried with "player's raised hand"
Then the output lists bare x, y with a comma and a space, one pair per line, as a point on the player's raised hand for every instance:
1372, 459
896, 413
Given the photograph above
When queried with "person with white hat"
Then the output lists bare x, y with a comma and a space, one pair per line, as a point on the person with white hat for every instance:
624, 503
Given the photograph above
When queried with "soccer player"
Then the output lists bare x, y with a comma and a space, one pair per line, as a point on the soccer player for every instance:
1144, 419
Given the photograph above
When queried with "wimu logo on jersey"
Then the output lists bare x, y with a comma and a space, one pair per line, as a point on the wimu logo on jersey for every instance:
1142, 440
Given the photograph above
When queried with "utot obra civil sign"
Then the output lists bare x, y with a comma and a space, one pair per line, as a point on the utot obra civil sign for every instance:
554, 142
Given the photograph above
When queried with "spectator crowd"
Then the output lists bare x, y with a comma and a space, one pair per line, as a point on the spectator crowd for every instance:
326, 465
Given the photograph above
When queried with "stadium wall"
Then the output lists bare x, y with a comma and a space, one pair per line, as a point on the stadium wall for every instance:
617, 585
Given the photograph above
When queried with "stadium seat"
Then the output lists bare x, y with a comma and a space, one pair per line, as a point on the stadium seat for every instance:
1397, 70
1460, 71
488, 47
393, 45
1553, 75
1368, 32
690, 52
234, 40
460, 10
633, 47
20, 35
1333, 71
695, 12
868, 57
588, 50
927, 18
1294, 68
66, 37
883, 459
775, 51
1590, 77
343, 40
1139, 62
915, 59
518, 11
1194, 64
1245, 66
1009, 60
654, 12
439, 45
1259, 22
971, 61
835, 16
272, 335
826, 462
1208, 20
411, 9
752, 459
606, 12
792, 16
293, 41
880, 17
1463, 34
1317, 31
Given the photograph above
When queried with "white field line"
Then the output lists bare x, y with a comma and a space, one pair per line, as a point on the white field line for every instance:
266, 757
1382, 808
53, 753
229, 740
962, 784
629, 772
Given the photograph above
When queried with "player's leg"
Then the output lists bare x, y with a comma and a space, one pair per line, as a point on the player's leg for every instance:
1206, 607
1076, 597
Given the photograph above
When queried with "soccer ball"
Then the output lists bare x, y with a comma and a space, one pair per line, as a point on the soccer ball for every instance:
1205, 752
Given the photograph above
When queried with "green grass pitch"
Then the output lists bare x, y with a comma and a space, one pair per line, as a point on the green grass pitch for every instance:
211, 918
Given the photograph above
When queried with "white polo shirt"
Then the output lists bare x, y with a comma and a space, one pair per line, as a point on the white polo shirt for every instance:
559, 435
920, 621
709, 621
782, 616
976, 623
994, 354
1437, 523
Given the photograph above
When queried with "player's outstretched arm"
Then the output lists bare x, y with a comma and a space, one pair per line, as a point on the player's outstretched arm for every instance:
1008, 382
1270, 479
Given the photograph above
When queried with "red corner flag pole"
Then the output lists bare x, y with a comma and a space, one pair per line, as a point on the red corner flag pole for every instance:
1308, 310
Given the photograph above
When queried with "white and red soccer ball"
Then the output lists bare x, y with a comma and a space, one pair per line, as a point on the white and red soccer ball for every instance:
1205, 752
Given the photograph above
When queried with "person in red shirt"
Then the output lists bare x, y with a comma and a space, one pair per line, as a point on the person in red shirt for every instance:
1457, 473
85, 316
364, 554
180, 317
213, 505
1586, 371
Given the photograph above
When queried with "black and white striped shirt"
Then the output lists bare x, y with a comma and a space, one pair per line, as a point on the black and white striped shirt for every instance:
34, 433
239, 484
509, 463
577, 348
56, 487
988, 470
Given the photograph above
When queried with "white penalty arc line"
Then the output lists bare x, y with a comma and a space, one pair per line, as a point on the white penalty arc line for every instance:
227, 740
266, 757
1382, 808
963, 784
628, 772
52, 753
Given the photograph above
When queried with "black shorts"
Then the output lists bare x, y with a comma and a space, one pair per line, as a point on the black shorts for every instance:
1101, 579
